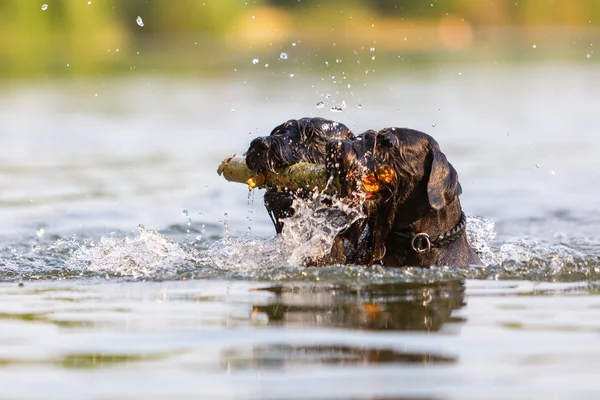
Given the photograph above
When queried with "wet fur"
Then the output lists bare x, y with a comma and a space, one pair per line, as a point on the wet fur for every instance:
294, 141
422, 197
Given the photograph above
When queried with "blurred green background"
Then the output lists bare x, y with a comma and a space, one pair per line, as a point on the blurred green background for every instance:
51, 38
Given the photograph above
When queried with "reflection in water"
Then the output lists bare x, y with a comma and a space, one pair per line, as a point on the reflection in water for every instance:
393, 306
278, 356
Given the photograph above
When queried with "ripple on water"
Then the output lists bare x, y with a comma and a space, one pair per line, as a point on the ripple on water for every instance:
151, 255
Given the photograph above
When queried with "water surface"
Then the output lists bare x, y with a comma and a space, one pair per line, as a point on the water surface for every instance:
200, 301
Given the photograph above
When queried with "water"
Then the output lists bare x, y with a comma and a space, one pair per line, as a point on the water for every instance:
110, 290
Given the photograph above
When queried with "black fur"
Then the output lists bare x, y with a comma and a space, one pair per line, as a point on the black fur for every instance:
421, 197
294, 141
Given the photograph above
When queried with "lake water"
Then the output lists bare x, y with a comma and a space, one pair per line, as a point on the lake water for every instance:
129, 269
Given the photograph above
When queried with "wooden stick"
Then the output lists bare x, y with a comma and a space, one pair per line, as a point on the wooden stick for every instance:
298, 176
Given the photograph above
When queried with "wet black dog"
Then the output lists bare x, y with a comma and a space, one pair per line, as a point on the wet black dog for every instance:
294, 141
410, 195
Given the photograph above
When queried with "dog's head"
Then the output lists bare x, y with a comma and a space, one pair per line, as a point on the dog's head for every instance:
294, 141
400, 175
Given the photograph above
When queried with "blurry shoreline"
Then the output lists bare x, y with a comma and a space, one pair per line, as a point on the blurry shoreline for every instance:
97, 39
202, 56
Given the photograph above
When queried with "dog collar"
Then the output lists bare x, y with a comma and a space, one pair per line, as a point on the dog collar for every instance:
422, 243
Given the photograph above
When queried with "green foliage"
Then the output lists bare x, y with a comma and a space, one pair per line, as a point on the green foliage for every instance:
98, 36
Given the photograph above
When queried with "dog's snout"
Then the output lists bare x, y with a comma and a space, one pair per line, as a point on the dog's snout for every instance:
256, 154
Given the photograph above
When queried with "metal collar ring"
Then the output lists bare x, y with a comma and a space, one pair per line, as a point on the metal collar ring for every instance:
421, 243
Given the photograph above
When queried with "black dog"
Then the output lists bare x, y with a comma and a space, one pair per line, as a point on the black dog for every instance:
410, 195
294, 141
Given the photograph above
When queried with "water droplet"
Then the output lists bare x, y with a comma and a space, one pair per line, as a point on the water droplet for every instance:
294, 44
553, 172
40, 232
255, 61
372, 49
336, 109
266, 65
360, 106
139, 21
44, 7
283, 56
320, 104
460, 73
588, 56
89, 3
68, 65
534, 46
373, 58
434, 125
537, 166
185, 213
292, 75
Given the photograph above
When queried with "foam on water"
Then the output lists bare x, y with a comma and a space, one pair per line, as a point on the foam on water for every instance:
141, 256
308, 235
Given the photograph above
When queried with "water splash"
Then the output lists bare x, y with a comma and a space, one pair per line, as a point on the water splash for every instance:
307, 237
151, 255
141, 256
308, 234
480, 234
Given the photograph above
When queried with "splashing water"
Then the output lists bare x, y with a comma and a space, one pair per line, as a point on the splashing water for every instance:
307, 236
480, 234
141, 256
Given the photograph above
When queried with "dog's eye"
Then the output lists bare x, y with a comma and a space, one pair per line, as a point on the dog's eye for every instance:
385, 174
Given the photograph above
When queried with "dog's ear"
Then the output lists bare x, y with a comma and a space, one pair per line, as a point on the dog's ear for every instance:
443, 186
